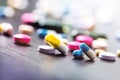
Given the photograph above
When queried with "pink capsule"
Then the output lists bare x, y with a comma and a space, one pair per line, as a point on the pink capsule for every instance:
73, 45
84, 38
27, 18
21, 38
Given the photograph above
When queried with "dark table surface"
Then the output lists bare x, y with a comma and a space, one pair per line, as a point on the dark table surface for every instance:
25, 63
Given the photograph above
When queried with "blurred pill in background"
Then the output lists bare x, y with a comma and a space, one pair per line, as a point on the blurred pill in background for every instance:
18, 4
25, 29
105, 14
107, 56
46, 49
84, 38
21, 38
96, 35
43, 32
7, 29
118, 53
73, 45
2, 11
99, 44
98, 51
28, 18
9, 12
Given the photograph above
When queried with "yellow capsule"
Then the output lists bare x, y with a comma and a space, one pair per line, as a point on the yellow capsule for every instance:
1, 29
118, 53
98, 51
55, 42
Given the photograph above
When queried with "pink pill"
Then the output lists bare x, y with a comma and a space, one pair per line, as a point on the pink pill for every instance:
84, 38
21, 38
27, 18
73, 45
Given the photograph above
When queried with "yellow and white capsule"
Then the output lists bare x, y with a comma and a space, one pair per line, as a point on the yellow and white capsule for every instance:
55, 42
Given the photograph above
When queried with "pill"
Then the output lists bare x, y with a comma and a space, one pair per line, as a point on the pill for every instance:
73, 45
97, 35
107, 56
56, 42
77, 54
2, 11
84, 38
75, 33
1, 29
98, 51
28, 18
43, 32
21, 38
118, 53
46, 49
25, 29
87, 50
99, 44
7, 29
9, 12
65, 41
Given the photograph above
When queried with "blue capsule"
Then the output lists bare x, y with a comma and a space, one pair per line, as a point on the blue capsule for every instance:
77, 53
2, 8
42, 33
87, 50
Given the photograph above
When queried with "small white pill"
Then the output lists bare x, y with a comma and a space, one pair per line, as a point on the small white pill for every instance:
107, 56
46, 49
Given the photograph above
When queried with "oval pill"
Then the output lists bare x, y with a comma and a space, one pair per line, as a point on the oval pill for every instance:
73, 45
25, 29
107, 56
84, 38
21, 38
46, 49
118, 53
7, 28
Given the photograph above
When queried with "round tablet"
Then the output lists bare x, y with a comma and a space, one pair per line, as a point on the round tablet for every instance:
107, 56
73, 45
84, 38
46, 49
7, 28
21, 38
25, 29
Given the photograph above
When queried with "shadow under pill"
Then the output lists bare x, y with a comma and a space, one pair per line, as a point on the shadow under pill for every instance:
21, 44
109, 61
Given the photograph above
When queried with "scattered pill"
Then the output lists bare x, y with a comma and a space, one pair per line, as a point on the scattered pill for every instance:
21, 38
99, 44
54, 41
43, 32
9, 12
46, 49
2, 11
89, 52
107, 56
77, 54
98, 51
28, 18
7, 29
84, 38
25, 29
73, 45
118, 53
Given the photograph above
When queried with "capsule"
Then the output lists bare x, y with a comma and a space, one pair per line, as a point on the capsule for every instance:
89, 52
55, 42
78, 54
